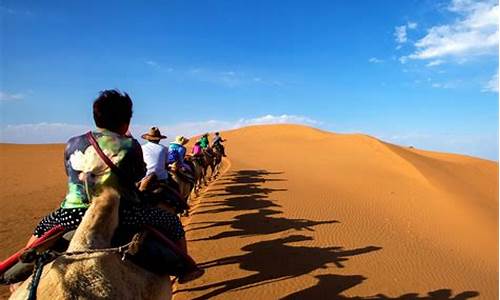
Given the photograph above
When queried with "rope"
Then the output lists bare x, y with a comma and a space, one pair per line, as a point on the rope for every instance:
131, 247
37, 274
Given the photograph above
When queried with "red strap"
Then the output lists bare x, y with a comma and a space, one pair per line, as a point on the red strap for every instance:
13, 259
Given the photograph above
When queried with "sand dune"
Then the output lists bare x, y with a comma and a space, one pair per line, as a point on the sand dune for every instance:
305, 214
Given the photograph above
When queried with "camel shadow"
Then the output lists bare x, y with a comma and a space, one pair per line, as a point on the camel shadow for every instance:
275, 260
330, 286
238, 203
258, 223
249, 176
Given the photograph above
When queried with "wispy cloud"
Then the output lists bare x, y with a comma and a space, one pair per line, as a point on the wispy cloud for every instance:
152, 63
474, 33
230, 78
10, 11
61, 132
401, 34
375, 60
199, 127
481, 145
492, 84
156, 65
40, 132
4, 96
434, 63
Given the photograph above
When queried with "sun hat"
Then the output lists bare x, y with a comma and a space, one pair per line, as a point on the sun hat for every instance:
181, 140
153, 134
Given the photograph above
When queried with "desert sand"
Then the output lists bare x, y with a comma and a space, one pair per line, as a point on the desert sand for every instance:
301, 213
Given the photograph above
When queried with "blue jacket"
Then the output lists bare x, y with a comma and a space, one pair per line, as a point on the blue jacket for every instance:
176, 152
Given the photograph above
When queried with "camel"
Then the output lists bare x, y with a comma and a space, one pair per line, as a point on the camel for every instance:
198, 171
97, 275
216, 162
213, 158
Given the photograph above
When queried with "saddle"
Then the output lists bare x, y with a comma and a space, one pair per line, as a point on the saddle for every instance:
183, 174
157, 192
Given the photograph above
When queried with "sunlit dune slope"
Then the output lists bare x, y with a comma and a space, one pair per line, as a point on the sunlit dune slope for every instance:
434, 215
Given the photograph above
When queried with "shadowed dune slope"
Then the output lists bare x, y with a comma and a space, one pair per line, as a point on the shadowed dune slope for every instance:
301, 213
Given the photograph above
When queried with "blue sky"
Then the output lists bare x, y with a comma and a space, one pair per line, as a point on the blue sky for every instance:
421, 73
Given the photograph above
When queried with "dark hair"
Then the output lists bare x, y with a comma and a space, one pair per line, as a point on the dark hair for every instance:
217, 133
112, 109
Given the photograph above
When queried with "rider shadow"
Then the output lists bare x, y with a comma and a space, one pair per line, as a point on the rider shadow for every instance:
330, 286
250, 176
258, 223
275, 260
242, 189
238, 203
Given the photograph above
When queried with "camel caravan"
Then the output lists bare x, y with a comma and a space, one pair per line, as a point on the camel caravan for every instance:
117, 234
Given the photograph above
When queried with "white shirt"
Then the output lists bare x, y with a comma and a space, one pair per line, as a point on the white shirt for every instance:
155, 157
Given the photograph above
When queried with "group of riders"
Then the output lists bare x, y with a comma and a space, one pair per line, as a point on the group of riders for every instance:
154, 181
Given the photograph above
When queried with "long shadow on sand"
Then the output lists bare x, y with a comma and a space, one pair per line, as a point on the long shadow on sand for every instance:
277, 260
247, 193
331, 286
258, 223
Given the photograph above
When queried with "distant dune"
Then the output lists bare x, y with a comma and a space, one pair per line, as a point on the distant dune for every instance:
306, 214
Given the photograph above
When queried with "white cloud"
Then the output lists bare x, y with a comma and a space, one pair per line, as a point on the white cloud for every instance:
434, 63
375, 60
11, 96
151, 63
10, 11
40, 132
492, 84
61, 132
400, 34
230, 79
475, 33
196, 128
480, 145
412, 25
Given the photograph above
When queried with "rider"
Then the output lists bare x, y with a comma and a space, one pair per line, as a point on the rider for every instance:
217, 143
155, 154
177, 153
204, 143
88, 174
197, 151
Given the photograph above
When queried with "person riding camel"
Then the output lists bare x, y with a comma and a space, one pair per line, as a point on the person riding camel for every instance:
217, 143
204, 143
88, 174
155, 154
197, 150
177, 153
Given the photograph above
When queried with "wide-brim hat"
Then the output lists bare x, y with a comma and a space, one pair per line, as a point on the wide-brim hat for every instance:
181, 140
153, 134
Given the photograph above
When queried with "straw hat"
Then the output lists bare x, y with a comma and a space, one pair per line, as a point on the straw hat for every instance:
181, 140
153, 134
